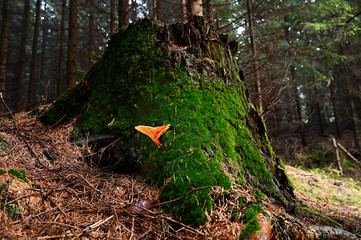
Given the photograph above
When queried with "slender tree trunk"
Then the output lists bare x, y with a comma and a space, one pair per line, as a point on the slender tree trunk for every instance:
155, 10
355, 120
91, 31
22, 55
34, 55
289, 112
112, 17
72, 38
42, 58
184, 11
298, 106
254, 57
334, 105
218, 22
159, 10
123, 13
133, 12
61, 51
317, 106
4, 48
209, 9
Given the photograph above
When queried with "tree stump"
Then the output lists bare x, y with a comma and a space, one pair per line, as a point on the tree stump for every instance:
185, 75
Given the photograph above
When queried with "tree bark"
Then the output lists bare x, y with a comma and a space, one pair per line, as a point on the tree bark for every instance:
123, 13
254, 57
91, 32
4, 48
183, 11
334, 105
317, 106
112, 17
42, 58
22, 56
133, 11
59, 83
72, 41
218, 22
155, 16
34, 55
355, 120
209, 9
298, 106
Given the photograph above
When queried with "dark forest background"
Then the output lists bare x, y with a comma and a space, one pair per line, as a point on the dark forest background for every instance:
300, 58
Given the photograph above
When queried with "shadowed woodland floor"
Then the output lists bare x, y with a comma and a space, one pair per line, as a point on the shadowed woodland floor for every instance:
67, 197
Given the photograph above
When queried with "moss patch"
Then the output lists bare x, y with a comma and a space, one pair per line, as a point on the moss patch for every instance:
250, 218
183, 75
19, 174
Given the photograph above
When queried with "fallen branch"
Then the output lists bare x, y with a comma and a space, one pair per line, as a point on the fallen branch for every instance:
349, 154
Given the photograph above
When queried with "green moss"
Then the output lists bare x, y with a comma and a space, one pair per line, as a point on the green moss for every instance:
259, 195
19, 174
250, 218
2, 171
12, 211
317, 213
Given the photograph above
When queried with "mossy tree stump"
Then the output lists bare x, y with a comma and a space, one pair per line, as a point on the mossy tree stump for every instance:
184, 75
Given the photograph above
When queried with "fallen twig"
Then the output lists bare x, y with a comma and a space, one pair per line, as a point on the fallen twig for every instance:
97, 224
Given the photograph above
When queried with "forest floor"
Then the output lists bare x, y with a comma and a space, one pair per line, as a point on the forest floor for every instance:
62, 196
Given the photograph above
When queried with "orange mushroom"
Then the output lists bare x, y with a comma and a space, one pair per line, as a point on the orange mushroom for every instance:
153, 132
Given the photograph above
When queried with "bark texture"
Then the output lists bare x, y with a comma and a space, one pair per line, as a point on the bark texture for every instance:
22, 55
123, 13
257, 80
32, 77
60, 78
4, 48
72, 40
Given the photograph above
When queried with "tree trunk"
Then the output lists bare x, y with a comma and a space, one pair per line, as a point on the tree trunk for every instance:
208, 148
183, 11
133, 12
91, 32
155, 15
258, 89
298, 106
32, 76
334, 105
43, 81
22, 56
60, 77
218, 22
123, 13
355, 119
4, 48
72, 41
317, 106
209, 9
112, 17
